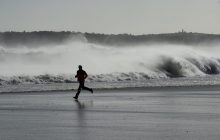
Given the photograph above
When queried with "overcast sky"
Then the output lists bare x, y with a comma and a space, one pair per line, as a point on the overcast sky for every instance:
111, 16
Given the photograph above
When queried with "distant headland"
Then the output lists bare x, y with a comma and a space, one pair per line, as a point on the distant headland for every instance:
38, 38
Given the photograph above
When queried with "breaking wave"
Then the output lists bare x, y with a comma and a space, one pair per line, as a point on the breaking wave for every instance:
58, 64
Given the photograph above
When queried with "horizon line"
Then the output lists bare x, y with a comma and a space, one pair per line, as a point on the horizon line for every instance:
180, 31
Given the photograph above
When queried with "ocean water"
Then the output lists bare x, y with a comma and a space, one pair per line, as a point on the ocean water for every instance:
53, 67
157, 83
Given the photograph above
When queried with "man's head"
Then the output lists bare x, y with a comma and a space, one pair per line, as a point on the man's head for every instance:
80, 67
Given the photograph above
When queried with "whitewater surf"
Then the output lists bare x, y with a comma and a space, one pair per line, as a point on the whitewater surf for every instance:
130, 63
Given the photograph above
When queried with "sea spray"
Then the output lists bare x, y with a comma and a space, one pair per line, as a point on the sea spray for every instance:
112, 62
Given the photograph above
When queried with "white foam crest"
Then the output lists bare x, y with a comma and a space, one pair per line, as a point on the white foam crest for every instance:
98, 59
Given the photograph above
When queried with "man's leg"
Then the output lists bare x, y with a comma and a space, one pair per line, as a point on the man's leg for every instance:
86, 88
79, 90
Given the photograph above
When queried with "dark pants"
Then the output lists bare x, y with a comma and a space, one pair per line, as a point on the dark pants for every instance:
81, 86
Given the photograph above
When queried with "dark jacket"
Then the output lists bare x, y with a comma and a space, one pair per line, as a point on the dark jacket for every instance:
81, 75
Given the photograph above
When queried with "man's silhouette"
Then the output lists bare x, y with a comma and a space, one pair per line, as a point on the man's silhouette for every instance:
81, 76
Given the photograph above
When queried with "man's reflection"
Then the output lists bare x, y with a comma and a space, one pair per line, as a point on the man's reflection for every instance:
82, 114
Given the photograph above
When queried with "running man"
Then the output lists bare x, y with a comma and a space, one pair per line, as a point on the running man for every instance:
81, 76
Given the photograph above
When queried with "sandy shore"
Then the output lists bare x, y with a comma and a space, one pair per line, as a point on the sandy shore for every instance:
186, 113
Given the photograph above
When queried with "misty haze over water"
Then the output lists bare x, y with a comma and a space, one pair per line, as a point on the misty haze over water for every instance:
54, 56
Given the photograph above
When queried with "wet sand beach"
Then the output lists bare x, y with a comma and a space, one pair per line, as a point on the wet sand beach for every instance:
125, 114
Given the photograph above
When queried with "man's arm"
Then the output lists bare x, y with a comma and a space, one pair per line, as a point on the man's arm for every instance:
76, 75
